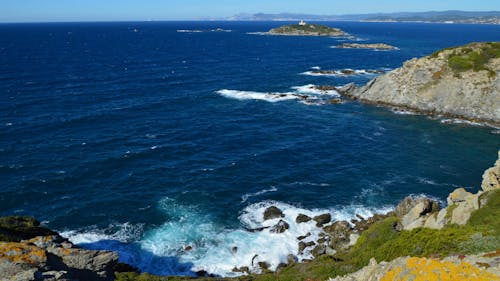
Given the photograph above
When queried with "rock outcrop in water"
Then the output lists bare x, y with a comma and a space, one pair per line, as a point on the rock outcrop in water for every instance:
373, 46
462, 82
307, 30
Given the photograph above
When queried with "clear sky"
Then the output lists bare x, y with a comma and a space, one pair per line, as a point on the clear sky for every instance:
119, 10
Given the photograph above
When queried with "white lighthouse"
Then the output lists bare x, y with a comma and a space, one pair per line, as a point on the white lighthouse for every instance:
302, 23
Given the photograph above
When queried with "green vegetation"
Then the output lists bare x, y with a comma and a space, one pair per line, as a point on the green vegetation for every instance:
384, 243
308, 29
474, 57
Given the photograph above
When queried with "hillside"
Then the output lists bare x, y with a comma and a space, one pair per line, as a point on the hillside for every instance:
460, 82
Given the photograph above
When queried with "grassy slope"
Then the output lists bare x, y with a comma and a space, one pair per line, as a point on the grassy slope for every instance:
474, 56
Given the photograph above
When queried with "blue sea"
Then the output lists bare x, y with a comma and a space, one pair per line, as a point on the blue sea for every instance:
166, 141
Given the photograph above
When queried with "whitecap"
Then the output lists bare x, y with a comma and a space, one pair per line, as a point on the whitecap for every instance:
246, 196
250, 95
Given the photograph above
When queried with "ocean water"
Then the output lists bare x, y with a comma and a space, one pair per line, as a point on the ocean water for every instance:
165, 141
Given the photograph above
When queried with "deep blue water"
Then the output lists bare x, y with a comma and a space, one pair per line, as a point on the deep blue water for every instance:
115, 133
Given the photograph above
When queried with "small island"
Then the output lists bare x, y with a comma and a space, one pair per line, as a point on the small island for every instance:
306, 29
374, 46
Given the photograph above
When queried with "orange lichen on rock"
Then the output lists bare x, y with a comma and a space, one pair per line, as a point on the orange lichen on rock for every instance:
22, 253
422, 269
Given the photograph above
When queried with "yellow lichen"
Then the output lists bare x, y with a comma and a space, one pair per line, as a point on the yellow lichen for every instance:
22, 253
422, 269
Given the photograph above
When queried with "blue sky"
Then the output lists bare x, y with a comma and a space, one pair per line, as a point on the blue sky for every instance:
113, 10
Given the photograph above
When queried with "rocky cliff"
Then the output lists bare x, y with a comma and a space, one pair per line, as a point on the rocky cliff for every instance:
463, 82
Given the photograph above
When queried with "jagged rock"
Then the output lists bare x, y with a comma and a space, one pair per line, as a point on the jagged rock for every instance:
437, 220
302, 218
243, 269
304, 236
273, 212
322, 219
461, 204
318, 250
346, 89
280, 227
263, 265
405, 206
413, 211
491, 177
339, 234
303, 245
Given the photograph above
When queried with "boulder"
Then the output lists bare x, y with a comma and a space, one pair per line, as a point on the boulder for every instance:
273, 212
322, 219
301, 218
405, 206
280, 227
491, 177
418, 214
304, 245
339, 233
437, 220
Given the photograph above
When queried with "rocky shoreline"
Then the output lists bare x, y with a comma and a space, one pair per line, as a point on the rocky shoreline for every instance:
29, 251
461, 82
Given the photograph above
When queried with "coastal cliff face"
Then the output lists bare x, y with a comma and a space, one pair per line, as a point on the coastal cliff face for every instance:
462, 82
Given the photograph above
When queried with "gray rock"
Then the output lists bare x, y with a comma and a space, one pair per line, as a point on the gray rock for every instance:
322, 219
280, 227
491, 177
302, 218
273, 212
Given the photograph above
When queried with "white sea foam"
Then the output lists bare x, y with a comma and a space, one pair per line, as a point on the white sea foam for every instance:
191, 241
346, 72
245, 197
118, 232
403, 111
309, 94
313, 90
316, 67
218, 250
460, 121
250, 95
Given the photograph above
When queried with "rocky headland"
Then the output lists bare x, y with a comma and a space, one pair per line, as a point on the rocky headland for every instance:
373, 46
461, 82
306, 29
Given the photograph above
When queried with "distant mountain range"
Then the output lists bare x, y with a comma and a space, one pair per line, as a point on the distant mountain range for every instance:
492, 17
